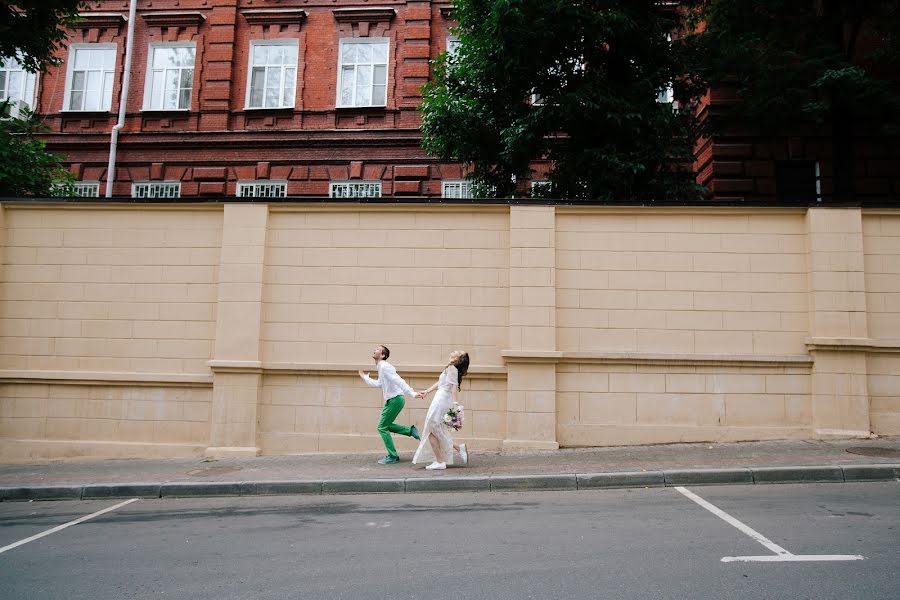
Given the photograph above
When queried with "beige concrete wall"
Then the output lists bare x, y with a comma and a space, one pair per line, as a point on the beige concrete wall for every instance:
110, 290
237, 329
881, 232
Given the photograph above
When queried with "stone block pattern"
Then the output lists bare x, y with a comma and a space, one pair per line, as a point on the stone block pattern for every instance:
681, 283
422, 282
109, 290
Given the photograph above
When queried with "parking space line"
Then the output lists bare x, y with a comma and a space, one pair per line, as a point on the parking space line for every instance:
65, 525
781, 555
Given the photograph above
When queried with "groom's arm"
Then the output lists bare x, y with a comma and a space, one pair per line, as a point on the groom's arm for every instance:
369, 381
390, 373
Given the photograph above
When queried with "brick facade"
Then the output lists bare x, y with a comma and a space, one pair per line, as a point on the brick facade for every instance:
218, 141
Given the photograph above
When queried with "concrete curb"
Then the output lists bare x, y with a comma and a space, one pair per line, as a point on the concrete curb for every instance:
477, 483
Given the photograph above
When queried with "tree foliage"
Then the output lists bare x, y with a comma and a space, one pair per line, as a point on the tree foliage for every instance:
598, 67
33, 30
26, 169
798, 65
793, 61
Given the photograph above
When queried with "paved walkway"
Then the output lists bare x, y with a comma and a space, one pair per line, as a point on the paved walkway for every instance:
746, 462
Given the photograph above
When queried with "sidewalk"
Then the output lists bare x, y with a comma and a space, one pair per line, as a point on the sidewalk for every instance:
587, 468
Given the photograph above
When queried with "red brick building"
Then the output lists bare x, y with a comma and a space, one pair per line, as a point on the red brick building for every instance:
312, 98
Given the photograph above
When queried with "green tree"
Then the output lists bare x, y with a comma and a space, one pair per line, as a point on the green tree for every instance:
803, 65
597, 67
33, 30
26, 169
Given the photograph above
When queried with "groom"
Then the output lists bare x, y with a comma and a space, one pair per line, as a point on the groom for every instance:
393, 387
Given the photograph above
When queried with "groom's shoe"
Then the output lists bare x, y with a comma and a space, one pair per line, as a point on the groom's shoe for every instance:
414, 432
388, 460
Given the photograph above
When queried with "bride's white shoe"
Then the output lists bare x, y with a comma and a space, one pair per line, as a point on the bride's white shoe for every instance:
436, 466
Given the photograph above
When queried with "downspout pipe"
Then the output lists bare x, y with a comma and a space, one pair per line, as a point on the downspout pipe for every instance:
123, 100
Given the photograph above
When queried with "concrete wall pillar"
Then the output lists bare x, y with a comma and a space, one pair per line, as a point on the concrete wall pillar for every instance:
237, 365
838, 322
531, 369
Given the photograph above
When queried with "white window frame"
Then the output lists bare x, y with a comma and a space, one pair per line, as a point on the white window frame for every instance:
29, 83
335, 186
154, 187
255, 186
453, 44
466, 188
148, 81
106, 105
340, 71
86, 189
295, 43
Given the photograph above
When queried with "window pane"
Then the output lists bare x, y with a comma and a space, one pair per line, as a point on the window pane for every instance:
260, 54
107, 90
185, 57
78, 80
93, 82
109, 59
156, 90
380, 75
15, 85
184, 100
97, 59
364, 53
348, 53
363, 96
187, 78
379, 95
257, 78
290, 55
380, 52
290, 85
276, 55
82, 60
161, 58
91, 100
3, 93
172, 77
347, 86
76, 100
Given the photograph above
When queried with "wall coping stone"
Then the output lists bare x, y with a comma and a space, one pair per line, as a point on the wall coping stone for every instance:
646, 358
107, 378
839, 344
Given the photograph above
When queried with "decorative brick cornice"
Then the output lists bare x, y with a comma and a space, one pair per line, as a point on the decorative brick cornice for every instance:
99, 20
369, 14
272, 16
174, 19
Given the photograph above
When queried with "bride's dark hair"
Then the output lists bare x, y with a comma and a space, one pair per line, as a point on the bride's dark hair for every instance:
462, 367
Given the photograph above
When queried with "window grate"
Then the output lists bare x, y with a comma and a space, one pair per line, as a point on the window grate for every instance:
362, 189
262, 189
162, 189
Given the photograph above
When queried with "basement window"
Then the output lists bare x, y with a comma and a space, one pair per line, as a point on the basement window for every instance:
262, 189
156, 189
355, 189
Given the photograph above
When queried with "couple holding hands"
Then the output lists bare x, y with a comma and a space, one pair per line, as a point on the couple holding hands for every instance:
435, 442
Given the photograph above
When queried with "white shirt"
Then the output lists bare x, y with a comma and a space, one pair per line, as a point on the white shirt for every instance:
390, 383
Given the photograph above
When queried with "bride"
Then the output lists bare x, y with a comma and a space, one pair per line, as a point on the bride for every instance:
437, 443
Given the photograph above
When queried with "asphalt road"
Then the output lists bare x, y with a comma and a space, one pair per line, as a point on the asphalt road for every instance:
642, 543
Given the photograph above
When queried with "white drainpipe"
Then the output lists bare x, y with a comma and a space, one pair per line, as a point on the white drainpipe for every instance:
126, 78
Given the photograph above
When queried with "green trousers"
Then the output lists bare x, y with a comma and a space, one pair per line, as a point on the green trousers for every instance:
386, 424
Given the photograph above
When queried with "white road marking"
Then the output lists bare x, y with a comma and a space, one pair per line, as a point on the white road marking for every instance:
65, 525
781, 555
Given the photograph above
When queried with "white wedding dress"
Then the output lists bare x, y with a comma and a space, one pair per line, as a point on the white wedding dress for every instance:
434, 420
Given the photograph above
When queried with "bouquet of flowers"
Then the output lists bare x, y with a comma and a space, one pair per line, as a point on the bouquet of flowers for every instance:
454, 417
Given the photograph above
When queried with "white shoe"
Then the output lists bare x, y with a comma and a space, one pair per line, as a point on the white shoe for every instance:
464, 454
436, 466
